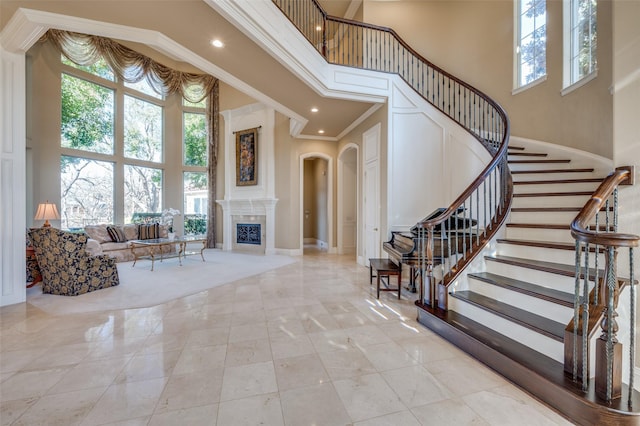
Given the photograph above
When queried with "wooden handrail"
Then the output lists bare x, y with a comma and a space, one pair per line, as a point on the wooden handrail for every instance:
579, 231
597, 306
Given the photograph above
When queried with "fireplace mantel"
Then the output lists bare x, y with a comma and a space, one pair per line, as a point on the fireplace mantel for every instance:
248, 207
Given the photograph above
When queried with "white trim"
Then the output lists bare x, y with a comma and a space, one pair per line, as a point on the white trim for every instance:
12, 177
578, 84
289, 252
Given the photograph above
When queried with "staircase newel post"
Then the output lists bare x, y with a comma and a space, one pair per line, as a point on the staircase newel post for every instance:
608, 350
430, 281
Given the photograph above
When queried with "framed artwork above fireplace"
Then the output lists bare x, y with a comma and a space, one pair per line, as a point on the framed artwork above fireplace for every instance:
247, 157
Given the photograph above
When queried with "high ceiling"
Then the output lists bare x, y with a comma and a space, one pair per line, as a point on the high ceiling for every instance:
334, 116
242, 59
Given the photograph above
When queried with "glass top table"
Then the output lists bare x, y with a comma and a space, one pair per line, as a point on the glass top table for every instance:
154, 248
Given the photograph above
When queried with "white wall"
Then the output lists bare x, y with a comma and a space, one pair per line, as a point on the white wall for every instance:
430, 159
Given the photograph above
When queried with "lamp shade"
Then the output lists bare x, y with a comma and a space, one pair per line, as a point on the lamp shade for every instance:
47, 211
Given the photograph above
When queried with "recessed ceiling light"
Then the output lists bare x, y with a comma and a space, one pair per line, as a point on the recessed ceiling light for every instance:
314, 109
321, 131
318, 28
217, 43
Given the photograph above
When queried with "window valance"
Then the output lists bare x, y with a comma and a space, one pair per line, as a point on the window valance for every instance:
129, 65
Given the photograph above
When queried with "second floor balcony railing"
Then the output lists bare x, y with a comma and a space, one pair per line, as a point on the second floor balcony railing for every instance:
486, 201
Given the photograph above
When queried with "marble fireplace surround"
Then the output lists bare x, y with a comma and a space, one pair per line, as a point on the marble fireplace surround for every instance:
254, 211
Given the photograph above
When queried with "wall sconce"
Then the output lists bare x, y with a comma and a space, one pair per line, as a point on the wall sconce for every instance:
47, 211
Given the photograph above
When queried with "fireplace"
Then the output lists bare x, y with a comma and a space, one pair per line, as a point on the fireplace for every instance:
249, 225
249, 233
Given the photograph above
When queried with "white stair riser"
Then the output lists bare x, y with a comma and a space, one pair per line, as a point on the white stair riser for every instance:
553, 176
549, 347
543, 217
545, 254
539, 166
567, 187
545, 279
556, 235
553, 311
556, 201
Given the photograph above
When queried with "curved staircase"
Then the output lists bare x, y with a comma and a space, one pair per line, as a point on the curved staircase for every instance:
513, 313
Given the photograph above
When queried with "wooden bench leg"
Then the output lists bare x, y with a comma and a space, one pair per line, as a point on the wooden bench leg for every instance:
378, 284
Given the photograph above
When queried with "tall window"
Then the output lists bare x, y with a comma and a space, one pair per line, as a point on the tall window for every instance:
100, 148
531, 49
580, 40
194, 148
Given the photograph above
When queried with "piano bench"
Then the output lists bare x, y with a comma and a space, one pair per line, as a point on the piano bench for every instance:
384, 268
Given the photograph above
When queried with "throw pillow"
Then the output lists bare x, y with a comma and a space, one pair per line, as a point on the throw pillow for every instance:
148, 231
117, 234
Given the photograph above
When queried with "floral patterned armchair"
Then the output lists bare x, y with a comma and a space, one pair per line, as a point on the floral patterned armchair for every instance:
67, 269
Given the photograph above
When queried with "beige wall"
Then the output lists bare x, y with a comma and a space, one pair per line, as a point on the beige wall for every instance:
626, 106
481, 35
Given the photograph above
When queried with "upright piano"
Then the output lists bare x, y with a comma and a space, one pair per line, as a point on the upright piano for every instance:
403, 247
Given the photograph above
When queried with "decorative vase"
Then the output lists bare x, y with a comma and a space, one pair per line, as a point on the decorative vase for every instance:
172, 235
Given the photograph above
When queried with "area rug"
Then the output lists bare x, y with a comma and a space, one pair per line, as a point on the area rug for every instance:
140, 287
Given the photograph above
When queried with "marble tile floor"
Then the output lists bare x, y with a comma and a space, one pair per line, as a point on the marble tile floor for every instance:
306, 344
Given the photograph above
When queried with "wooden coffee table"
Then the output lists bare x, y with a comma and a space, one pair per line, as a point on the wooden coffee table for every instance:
154, 248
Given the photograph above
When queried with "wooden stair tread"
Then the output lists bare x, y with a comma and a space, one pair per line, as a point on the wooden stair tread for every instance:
558, 226
517, 148
551, 267
542, 325
528, 154
545, 293
549, 171
546, 161
545, 244
537, 373
552, 209
516, 351
554, 194
557, 181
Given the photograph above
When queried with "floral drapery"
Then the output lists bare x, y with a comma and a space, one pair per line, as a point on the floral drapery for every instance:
131, 66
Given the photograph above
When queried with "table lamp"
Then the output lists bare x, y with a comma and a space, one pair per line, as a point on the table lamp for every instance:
45, 212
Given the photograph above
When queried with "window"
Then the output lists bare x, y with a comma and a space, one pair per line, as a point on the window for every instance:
113, 166
87, 192
142, 191
531, 41
195, 202
95, 156
580, 41
87, 120
142, 129
195, 185
194, 139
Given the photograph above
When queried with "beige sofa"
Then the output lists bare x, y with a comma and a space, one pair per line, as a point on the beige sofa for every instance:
100, 242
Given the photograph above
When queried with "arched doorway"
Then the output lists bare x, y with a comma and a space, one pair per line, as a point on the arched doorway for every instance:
316, 202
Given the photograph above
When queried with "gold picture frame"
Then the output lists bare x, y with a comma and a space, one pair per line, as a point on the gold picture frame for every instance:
247, 157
